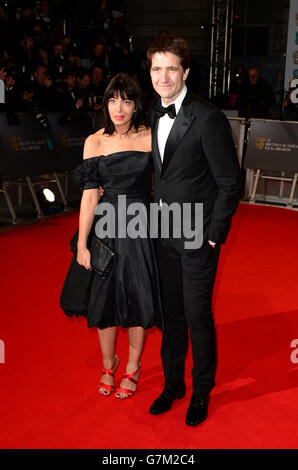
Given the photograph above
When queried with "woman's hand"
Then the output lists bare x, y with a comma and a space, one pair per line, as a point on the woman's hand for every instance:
27, 95
84, 257
79, 103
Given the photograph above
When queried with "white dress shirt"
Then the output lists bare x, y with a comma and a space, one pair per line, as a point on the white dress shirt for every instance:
165, 123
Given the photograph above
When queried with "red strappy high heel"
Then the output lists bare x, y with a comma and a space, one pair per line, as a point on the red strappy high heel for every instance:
111, 372
127, 391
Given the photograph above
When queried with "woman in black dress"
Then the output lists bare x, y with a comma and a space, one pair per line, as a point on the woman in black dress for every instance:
117, 161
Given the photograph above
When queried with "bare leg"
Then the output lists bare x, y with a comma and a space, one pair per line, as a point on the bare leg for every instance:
107, 338
136, 338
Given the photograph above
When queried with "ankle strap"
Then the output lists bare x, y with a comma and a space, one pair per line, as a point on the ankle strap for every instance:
129, 376
110, 371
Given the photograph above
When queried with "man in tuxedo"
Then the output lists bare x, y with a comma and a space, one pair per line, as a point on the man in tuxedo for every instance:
195, 162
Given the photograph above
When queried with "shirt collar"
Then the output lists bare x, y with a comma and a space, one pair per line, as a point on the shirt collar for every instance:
178, 100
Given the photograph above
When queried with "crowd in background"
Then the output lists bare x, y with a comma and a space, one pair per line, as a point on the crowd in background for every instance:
251, 94
44, 68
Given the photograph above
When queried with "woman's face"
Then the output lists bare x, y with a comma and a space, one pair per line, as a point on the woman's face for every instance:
120, 110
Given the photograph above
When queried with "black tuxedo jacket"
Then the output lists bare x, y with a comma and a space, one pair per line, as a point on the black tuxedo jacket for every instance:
200, 164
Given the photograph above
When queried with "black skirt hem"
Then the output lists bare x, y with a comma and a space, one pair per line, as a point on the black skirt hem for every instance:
70, 313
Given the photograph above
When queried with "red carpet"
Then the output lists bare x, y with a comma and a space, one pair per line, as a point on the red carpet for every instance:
52, 363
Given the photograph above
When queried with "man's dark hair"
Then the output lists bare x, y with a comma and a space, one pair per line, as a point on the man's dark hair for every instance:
126, 87
68, 72
82, 72
252, 67
175, 45
95, 66
39, 65
58, 43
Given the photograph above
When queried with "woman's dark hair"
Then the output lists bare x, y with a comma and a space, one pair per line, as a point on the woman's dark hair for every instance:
126, 87
176, 46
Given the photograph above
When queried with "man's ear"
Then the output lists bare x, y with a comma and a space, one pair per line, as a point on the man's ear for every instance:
185, 75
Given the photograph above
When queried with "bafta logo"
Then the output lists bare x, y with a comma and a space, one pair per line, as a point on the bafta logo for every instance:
260, 142
14, 142
64, 141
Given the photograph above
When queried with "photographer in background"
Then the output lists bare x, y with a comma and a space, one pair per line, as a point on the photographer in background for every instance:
45, 93
96, 55
44, 16
255, 96
58, 62
70, 103
96, 88
238, 79
13, 88
74, 98
81, 90
27, 17
12, 97
26, 56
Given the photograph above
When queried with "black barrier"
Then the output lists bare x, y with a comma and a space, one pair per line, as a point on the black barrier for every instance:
28, 150
69, 140
272, 145
238, 126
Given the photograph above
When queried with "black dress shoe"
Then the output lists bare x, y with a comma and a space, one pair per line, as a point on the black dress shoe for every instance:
197, 410
164, 401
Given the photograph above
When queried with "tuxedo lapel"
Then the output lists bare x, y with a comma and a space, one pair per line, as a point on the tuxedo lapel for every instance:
181, 125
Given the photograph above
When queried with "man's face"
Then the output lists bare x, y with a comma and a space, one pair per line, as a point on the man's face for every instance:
98, 50
85, 81
168, 76
40, 75
70, 80
253, 76
29, 43
97, 75
58, 50
45, 7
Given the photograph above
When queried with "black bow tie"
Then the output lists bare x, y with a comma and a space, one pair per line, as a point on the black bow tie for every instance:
170, 110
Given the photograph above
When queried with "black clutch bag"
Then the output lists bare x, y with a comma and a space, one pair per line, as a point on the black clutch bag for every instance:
102, 256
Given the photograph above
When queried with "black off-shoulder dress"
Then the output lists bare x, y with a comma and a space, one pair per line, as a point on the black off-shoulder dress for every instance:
129, 295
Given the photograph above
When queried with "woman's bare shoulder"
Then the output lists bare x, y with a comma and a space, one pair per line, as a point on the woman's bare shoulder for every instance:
92, 144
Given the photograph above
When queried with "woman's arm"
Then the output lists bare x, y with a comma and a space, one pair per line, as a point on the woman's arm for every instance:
88, 205
89, 202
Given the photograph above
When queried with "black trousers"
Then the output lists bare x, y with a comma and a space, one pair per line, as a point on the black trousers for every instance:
187, 282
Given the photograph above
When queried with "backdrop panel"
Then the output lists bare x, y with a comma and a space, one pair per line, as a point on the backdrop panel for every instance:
272, 145
28, 150
69, 141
